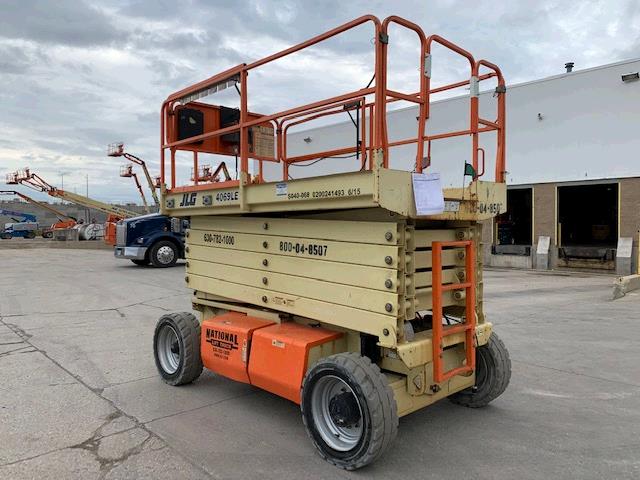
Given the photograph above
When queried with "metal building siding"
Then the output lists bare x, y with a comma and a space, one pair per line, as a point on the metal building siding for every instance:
588, 130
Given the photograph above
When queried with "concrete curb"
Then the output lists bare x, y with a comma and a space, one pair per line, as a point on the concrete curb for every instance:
623, 285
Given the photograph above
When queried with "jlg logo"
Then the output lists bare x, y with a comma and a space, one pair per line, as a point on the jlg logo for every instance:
188, 199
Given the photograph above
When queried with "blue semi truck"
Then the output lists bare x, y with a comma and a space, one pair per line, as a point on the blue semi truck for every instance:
151, 239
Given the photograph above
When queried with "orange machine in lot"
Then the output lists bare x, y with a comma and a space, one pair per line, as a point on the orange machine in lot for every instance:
114, 213
64, 221
354, 290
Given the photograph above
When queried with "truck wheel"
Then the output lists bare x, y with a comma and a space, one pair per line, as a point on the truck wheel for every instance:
163, 254
493, 372
48, 234
141, 263
349, 410
5, 236
176, 348
30, 235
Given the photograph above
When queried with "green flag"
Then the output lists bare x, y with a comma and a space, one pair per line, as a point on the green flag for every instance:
469, 170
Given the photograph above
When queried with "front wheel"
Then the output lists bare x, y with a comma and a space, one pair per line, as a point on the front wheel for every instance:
349, 410
176, 348
493, 372
163, 254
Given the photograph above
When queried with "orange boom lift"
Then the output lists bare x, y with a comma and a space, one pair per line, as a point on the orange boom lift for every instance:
117, 150
126, 171
64, 220
114, 213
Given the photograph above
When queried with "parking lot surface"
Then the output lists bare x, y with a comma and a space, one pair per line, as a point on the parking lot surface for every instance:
80, 396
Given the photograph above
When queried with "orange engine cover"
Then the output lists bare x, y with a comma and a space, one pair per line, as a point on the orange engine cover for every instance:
279, 354
225, 341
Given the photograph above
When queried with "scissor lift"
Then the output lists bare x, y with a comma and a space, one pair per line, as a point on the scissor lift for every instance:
332, 291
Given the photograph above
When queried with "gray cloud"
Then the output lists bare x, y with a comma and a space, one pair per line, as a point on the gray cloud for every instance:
75, 75
61, 22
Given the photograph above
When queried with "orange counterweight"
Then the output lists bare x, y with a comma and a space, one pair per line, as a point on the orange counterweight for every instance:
225, 341
279, 356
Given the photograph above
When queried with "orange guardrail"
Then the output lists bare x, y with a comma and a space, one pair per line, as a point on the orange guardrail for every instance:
369, 105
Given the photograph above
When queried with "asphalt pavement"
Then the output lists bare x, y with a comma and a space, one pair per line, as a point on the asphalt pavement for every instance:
80, 396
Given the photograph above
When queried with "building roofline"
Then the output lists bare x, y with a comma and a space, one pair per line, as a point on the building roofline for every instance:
536, 81
574, 73
583, 181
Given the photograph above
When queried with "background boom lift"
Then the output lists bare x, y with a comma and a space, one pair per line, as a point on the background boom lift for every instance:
64, 220
126, 171
23, 217
26, 221
117, 150
114, 213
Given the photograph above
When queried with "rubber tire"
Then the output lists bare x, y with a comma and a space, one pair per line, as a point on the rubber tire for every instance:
377, 401
190, 365
154, 251
5, 236
141, 263
47, 235
496, 357
30, 235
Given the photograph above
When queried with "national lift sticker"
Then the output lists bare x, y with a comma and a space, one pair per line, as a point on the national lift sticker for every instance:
221, 342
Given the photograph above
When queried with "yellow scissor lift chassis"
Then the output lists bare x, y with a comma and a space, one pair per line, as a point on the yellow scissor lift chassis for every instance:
331, 291
343, 253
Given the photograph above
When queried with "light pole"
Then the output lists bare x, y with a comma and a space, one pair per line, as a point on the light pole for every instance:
88, 214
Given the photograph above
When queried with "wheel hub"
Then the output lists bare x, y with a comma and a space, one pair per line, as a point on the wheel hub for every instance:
168, 349
344, 410
165, 254
337, 413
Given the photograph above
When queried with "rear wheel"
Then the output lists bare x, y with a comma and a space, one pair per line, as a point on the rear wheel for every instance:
30, 235
493, 372
141, 263
163, 254
349, 410
176, 348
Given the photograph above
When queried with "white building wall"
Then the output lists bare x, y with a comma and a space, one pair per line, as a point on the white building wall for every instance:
588, 129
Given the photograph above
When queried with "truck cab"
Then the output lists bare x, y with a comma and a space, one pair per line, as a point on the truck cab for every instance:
151, 239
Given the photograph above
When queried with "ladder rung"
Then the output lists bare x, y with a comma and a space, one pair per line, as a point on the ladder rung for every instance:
453, 329
456, 286
457, 371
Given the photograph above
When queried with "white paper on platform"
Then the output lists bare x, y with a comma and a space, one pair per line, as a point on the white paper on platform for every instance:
427, 191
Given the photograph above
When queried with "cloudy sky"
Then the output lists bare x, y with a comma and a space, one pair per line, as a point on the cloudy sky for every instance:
75, 76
